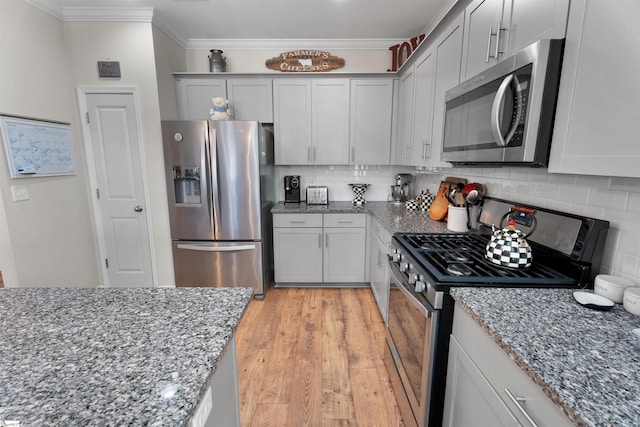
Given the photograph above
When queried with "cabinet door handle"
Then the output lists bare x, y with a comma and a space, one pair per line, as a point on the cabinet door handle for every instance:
326, 240
407, 153
489, 44
353, 154
500, 29
518, 402
314, 154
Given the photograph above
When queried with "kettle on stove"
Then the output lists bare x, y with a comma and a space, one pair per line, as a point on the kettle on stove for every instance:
508, 246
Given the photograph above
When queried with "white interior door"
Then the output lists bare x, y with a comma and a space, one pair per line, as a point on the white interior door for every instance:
115, 159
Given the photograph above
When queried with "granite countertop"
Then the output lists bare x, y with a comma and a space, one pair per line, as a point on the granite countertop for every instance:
393, 218
586, 361
112, 356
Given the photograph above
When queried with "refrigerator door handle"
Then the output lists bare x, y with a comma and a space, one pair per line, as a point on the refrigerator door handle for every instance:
207, 182
213, 178
217, 248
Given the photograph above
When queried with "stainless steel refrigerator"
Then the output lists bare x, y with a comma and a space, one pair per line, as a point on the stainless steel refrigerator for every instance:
220, 188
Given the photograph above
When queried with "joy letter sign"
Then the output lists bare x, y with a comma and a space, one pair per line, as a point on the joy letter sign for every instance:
402, 51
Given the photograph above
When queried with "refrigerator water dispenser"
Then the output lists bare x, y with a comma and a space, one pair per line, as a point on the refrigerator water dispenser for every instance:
186, 184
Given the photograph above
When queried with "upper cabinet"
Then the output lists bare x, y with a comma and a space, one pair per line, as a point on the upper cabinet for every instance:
595, 130
422, 90
494, 29
485, 26
292, 121
194, 96
249, 98
370, 124
311, 121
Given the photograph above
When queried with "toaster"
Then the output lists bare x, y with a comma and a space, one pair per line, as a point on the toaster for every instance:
317, 195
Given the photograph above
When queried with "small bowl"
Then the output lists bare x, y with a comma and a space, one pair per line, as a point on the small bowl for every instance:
612, 287
631, 301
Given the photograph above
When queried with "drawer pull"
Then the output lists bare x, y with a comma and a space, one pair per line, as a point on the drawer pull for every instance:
345, 221
518, 402
298, 221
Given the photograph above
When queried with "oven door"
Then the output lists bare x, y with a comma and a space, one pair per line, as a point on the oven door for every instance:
411, 338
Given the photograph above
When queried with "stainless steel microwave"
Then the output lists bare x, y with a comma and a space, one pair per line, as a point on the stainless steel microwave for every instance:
504, 115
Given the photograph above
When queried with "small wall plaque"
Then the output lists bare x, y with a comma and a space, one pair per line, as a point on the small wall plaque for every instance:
108, 69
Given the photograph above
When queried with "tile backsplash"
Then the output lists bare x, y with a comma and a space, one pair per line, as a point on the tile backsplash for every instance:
616, 200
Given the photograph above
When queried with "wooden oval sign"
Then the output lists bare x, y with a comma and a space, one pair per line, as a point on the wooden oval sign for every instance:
304, 61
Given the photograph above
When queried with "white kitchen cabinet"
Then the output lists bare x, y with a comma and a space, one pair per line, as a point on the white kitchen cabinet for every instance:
422, 108
485, 27
345, 240
319, 248
311, 121
297, 244
370, 123
595, 130
194, 96
292, 121
330, 122
469, 396
495, 29
405, 116
422, 93
251, 99
446, 50
379, 267
533, 20
484, 383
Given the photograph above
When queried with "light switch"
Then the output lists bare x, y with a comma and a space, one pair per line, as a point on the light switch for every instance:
20, 192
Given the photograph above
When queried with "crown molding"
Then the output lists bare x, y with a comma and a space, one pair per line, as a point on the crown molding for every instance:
108, 14
48, 7
292, 44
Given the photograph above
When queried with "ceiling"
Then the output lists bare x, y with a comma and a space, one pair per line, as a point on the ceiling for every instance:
187, 20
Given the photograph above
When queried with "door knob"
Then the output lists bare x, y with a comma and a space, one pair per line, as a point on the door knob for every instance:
137, 209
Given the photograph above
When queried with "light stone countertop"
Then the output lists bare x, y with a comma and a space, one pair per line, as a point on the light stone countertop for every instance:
393, 218
586, 361
99, 357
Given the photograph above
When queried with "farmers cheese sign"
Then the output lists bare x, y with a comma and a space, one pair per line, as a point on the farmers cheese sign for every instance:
304, 61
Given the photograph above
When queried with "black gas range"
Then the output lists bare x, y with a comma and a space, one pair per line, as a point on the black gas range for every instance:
566, 252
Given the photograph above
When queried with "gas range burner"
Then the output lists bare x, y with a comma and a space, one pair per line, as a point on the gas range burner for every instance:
459, 270
457, 257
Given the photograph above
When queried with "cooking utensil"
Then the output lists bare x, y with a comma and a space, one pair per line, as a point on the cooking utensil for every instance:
470, 200
508, 246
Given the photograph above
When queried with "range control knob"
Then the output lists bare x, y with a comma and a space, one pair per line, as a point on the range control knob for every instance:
413, 278
404, 266
420, 286
395, 256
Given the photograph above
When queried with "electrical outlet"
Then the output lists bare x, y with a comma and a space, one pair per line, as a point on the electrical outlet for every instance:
19, 192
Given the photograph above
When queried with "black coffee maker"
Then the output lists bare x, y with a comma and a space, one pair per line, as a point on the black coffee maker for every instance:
292, 189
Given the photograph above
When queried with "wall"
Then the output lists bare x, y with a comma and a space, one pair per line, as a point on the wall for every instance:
616, 200
248, 61
48, 239
132, 44
170, 58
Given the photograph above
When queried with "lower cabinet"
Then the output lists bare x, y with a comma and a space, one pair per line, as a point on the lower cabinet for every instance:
483, 383
319, 248
379, 267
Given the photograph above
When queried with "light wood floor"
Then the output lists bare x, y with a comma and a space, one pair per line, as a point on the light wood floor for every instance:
313, 357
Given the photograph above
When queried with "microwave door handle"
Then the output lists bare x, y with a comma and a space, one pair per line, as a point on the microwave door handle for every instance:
497, 108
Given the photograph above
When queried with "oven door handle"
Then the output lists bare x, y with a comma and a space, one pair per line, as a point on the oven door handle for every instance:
423, 309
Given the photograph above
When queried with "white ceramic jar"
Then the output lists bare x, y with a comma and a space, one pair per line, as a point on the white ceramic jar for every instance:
611, 287
631, 300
